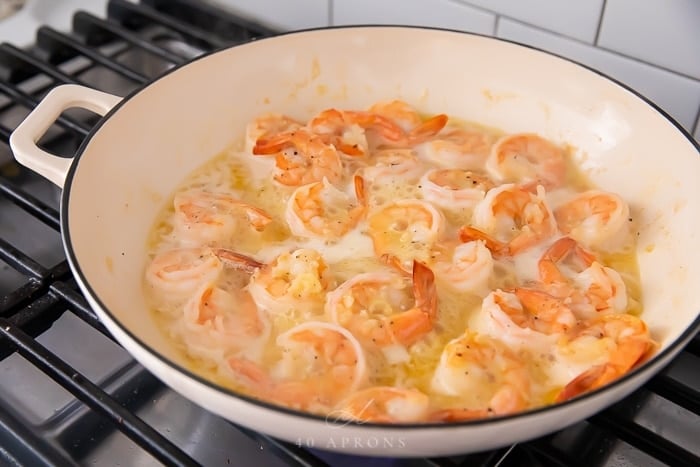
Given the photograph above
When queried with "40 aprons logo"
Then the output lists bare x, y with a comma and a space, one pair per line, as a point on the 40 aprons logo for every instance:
337, 419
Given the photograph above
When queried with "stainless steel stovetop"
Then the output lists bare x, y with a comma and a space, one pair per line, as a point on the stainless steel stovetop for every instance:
53, 414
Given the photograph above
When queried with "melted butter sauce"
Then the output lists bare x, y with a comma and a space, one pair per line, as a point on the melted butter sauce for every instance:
249, 178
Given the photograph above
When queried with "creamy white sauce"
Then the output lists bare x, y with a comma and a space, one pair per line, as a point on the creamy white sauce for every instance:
355, 244
354, 253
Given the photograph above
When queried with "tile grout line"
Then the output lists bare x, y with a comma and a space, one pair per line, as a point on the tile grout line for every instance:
604, 49
330, 13
600, 23
475, 7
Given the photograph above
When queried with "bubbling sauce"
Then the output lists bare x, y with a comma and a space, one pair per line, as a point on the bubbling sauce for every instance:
391, 266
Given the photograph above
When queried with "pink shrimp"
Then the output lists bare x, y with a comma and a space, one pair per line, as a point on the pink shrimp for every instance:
207, 218
301, 157
321, 363
527, 159
370, 305
627, 342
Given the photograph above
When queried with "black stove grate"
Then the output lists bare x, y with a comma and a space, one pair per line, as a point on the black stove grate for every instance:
171, 32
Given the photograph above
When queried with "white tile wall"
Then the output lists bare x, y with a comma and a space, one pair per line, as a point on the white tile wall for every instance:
651, 45
678, 95
438, 13
574, 18
281, 14
664, 32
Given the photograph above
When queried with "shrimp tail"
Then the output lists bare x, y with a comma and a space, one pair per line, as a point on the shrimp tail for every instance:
589, 380
258, 218
469, 234
394, 262
237, 260
266, 146
548, 269
427, 129
424, 289
360, 191
409, 326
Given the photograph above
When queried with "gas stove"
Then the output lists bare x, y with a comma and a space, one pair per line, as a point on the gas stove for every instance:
69, 395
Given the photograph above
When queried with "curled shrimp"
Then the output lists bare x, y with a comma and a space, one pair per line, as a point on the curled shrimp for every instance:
321, 363
267, 125
622, 340
206, 218
485, 373
457, 148
219, 323
386, 311
524, 318
384, 404
454, 189
319, 210
405, 229
511, 220
469, 270
301, 157
400, 112
527, 158
392, 165
596, 219
345, 130
175, 275
570, 272
293, 281
408, 129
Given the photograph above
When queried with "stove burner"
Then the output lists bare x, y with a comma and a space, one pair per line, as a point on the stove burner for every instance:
69, 395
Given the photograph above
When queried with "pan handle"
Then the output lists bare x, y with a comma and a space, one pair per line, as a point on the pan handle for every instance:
23, 140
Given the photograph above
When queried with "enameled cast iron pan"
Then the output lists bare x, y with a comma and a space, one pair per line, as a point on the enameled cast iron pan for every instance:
148, 142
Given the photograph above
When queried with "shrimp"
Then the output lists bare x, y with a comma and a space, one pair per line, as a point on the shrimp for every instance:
542, 312
406, 229
175, 275
523, 318
457, 148
267, 125
295, 281
622, 340
384, 404
513, 218
604, 290
564, 253
345, 130
469, 270
400, 112
206, 218
319, 210
219, 323
454, 189
596, 219
484, 373
588, 287
527, 158
321, 363
376, 308
412, 129
394, 164
301, 157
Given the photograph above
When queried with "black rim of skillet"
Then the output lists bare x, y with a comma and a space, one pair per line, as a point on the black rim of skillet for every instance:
559, 407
